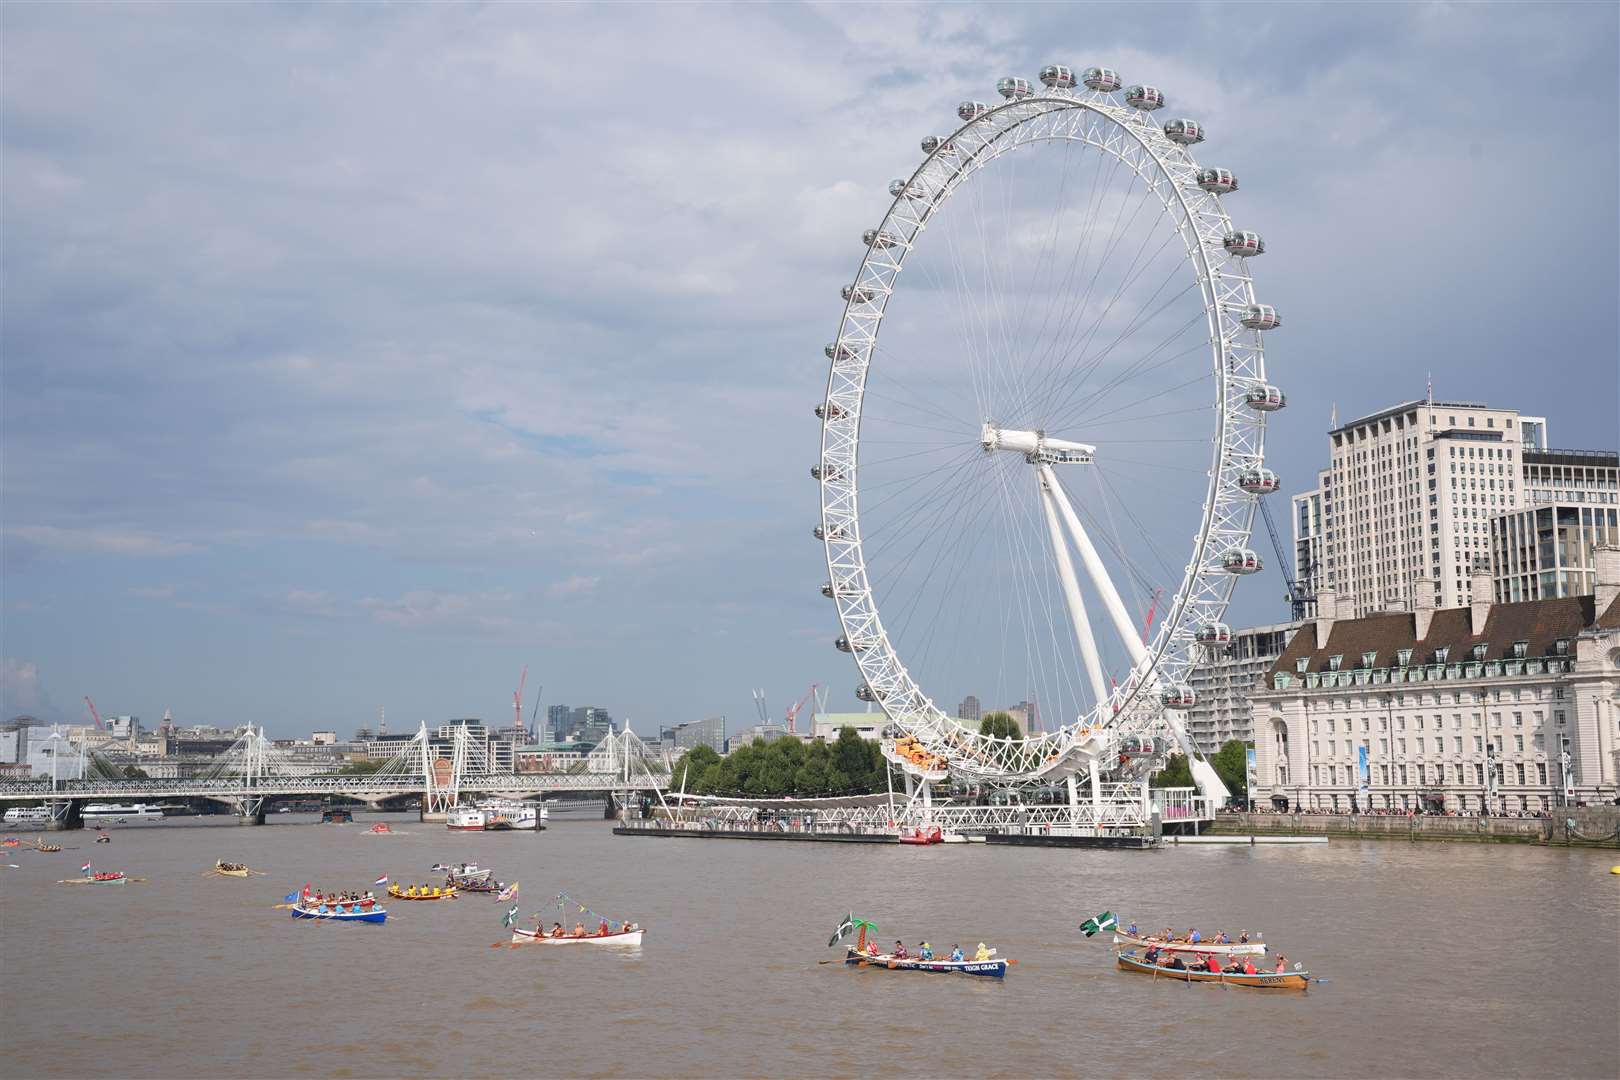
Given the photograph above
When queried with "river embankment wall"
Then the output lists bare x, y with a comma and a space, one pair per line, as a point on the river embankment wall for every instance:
1583, 826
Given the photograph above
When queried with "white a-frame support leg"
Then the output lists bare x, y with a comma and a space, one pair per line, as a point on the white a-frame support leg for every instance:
1123, 624
1071, 588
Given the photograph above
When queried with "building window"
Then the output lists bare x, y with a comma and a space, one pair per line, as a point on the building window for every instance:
1541, 772
1518, 743
1520, 648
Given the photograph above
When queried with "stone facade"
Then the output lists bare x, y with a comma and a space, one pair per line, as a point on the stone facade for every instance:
1437, 702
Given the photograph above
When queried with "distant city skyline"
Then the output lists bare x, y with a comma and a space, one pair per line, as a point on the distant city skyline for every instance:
335, 411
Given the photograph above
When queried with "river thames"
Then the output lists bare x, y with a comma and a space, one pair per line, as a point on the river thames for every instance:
1450, 960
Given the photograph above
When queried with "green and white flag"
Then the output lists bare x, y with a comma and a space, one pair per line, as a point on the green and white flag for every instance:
1105, 921
845, 928
511, 916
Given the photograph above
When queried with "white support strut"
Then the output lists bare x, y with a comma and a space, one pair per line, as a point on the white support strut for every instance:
1123, 625
1071, 592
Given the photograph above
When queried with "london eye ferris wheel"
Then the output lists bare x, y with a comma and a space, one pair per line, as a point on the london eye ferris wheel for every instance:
1040, 459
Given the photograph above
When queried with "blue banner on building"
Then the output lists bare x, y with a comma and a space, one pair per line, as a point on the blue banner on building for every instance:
1361, 766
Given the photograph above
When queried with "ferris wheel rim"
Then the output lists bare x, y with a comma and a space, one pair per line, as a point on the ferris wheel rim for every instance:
860, 619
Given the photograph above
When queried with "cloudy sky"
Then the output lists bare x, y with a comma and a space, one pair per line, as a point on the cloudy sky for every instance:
362, 356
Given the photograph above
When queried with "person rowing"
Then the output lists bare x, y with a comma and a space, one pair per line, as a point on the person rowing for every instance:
1282, 963
556, 929
900, 950
1152, 956
926, 952
1131, 929
983, 953
956, 954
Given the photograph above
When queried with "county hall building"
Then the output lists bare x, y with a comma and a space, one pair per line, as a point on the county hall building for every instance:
1505, 707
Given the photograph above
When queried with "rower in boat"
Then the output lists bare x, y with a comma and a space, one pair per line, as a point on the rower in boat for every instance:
982, 954
956, 954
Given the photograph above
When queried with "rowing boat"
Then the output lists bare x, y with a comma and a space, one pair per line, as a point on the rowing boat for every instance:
121, 879
993, 969
436, 894
1273, 980
337, 914
230, 869
623, 937
1234, 948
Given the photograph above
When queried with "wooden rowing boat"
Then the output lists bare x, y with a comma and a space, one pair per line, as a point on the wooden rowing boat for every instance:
120, 880
992, 968
623, 937
226, 869
1266, 980
436, 894
1252, 948
354, 914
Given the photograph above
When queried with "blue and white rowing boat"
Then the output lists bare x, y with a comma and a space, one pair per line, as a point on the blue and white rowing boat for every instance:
340, 913
990, 969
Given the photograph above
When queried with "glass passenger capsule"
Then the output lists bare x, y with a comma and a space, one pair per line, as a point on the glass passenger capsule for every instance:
1217, 181
971, 110
1178, 696
877, 238
1014, 87
1139, 746
1184, 131
932, 143
825, 411
837, 350
827, 589
1261, 317
1245, 244
861, 294
822, 533
844, 644
898, 188
1259, 481
866, 693
1057, 75
1241, 561
1213, 633
1265, 398
1104, 79
1145, 97
829, 472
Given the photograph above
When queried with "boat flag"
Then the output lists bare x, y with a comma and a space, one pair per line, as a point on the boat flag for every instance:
380, 881
85, 869
508, 893
291, 898
511, 916
1105, 921
845, 928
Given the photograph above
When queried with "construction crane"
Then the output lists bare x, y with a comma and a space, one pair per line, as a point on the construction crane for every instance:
761, 708
93, 714
1297, 597
517, 701
793, 710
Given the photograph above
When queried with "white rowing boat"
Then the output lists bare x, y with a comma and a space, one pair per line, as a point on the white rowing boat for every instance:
623, 937
1234, 948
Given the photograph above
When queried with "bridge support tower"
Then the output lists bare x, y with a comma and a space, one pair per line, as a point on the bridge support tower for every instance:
250, 810
66, 814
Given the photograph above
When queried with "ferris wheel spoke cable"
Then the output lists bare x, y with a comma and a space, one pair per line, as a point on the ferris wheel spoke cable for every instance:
1147, 535
951, 579
1074, 319
1129, 278
920, 496
1080, 368
1082, 250
1137, 366
1034, 571
1121, 414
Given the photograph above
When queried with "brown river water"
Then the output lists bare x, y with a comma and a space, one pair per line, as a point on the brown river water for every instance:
1448, 960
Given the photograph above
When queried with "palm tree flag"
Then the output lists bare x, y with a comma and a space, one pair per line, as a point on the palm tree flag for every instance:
1105, 921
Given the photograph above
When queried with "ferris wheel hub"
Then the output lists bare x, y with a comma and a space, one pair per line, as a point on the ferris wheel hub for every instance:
1037, 447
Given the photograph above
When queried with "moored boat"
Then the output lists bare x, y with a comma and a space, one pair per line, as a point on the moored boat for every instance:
992, 968
340, 913
631, 935
1232, 948
1274, 980
380, 829
933, 835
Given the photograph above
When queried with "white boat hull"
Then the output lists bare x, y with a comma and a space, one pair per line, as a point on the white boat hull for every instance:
529, 937
1253, 948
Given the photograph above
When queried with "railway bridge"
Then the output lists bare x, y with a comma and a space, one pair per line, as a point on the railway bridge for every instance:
247, 776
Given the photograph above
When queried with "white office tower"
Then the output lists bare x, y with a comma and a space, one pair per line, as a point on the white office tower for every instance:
1407, 498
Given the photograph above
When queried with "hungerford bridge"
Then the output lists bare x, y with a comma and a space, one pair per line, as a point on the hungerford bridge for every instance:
251, 772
